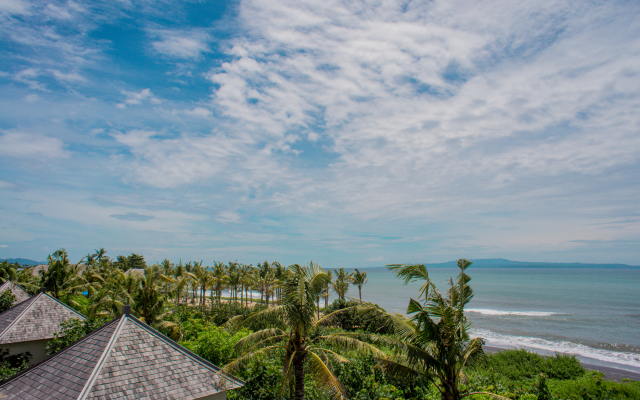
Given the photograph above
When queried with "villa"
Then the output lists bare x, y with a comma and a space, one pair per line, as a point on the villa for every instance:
124, 359
29, 325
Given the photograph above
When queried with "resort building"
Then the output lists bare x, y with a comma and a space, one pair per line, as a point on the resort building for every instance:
18, 292
124, 359
138, 272
29, 325
35, 271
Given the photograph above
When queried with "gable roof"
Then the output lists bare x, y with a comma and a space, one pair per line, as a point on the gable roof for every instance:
137, 271
17, 291
124, 359
35, 271
36, 318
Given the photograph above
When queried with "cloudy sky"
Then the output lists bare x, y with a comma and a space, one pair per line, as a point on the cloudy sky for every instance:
356, 133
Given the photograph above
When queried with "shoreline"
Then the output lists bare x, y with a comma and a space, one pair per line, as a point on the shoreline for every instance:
610, 373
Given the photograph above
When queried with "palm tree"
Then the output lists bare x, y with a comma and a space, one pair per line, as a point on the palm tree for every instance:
327, 287
219, 278
166, 267
435, 343
149, 300
100, 254
60, 276
359, 279
341, 283
7, 272
292, 331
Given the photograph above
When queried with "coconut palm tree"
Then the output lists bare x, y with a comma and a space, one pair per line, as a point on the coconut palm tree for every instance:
148, 298
219, 278
7, 272
435, 343
341, 282
293, 332
328, 285
359, 279
61, 277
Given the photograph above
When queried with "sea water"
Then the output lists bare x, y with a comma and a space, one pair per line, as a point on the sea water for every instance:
592, 313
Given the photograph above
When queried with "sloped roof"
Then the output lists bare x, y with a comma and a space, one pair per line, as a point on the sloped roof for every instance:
125, 359
35, 271
18, 292
36, 318
136, 271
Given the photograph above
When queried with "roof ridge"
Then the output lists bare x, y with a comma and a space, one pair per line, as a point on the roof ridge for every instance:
69, 307
33, 300
100, 363
184, 350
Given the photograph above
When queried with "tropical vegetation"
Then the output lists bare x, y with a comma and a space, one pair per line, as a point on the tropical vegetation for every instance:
269, 325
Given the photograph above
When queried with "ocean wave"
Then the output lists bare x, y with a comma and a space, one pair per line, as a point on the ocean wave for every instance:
485, 311
617, 357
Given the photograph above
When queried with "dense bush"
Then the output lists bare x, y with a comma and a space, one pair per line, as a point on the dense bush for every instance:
370, 321
214, 344
12, 364
6, 300
72, 330
522, 364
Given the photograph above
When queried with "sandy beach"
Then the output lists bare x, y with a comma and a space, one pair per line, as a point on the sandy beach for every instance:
610, 373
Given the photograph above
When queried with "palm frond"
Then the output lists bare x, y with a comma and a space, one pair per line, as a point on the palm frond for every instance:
326, 378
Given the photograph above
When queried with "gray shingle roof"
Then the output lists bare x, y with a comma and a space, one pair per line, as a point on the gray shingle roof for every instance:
17, 291
37, 318
35, 271
124, 359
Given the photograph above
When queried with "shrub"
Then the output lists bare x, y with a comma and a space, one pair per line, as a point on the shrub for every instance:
563, 366
10, 365
72, 330
6, 300
215, 344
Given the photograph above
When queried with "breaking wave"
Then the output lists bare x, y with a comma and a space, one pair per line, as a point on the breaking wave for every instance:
521, 313
580, 350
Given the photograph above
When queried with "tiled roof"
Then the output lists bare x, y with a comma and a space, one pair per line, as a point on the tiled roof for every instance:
35, 271
136, 271
18, 292
37, 318
124, 359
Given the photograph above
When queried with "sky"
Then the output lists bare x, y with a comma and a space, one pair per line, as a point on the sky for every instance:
353, 133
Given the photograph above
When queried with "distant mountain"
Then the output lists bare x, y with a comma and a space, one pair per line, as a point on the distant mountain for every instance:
504, 263
22, 261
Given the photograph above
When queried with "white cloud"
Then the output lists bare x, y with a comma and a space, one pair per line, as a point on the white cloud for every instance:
199, 112
313, 137
23, 145
32, 98
3, 246
14, 7
65, 12
135, 98
180, 43
73, 77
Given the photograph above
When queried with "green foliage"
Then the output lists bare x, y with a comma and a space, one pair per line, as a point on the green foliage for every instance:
135, 261
214, 344
11, 365
72, 330
591, 386
543, 389
352, 320
522, 364
262, 381
6, 300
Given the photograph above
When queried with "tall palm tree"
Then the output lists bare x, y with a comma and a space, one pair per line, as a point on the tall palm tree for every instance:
435, 343
166, 267
341, 282
359, 279
149, 300
328, 285
61, 277
292, 331
219, 278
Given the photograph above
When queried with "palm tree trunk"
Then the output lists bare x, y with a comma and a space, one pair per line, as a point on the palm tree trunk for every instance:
360, 292
298, 365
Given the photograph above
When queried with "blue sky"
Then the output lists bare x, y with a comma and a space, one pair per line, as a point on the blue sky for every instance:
353, 133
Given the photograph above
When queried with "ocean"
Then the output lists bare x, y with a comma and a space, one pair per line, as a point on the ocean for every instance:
592, 313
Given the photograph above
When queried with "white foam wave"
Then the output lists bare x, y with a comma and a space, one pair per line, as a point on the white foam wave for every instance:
617, 357
485, 311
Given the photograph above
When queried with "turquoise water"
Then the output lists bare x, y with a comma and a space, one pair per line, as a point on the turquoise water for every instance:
593, 313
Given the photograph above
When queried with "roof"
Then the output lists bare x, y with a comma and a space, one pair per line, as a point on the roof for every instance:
36, 318
124, 359
137, 271
35, 271
17, 291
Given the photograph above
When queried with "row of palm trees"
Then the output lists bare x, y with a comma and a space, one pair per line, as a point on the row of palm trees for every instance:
434, 344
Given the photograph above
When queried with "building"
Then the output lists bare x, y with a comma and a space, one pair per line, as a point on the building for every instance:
124, 359
29, 325
17, 291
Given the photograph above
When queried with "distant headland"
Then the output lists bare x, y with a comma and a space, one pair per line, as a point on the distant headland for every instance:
504, 263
